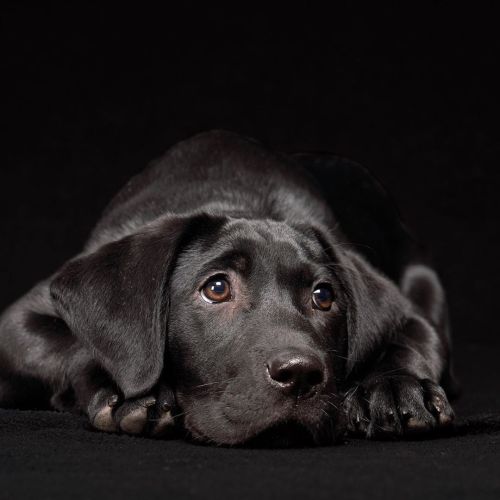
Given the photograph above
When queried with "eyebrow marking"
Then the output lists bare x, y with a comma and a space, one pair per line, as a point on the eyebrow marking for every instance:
237, 260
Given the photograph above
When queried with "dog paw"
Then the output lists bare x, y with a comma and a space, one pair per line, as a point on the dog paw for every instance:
131, 416
395, 406
100, 410
149, 415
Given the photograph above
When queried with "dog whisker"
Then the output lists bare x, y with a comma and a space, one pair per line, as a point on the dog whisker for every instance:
350, 393
323, 411
395, 370
332, 404
214, 383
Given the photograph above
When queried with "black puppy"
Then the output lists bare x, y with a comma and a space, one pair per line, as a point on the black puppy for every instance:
247, 293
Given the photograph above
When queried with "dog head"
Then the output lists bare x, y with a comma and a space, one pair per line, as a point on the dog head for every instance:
257, 322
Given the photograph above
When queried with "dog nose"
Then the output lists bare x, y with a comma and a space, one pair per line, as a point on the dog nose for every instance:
296, 373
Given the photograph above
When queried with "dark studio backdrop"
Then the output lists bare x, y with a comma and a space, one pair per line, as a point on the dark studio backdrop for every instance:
93, 95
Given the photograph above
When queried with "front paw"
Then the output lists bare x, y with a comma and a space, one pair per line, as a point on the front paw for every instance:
392, 406
149, 415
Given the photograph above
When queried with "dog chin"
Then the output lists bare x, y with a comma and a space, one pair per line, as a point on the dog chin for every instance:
281, 434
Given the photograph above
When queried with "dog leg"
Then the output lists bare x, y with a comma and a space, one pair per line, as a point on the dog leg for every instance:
399, 405
401, 394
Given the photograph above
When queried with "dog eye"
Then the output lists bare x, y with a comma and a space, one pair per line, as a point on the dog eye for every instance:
216, 290
322, 297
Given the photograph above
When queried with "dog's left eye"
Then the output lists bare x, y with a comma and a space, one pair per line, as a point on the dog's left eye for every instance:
322, 297
216, 290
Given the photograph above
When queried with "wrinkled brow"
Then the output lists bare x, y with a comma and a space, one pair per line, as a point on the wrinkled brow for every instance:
237, 260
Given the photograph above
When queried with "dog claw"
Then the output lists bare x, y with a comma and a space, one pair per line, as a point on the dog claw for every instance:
113, 400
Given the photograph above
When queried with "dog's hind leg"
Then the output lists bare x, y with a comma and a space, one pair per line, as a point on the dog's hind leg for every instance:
422, 286
43, 365
34, 344
41, 360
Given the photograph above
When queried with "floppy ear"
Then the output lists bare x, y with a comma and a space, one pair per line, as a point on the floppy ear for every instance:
115, 300
376, 309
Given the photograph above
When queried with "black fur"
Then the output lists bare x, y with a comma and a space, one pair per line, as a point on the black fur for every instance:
121, 333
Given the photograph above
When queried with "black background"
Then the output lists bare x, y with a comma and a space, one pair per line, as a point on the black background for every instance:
93, 95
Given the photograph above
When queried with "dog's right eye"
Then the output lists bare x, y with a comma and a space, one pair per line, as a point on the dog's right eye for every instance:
216, 290
322, 297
